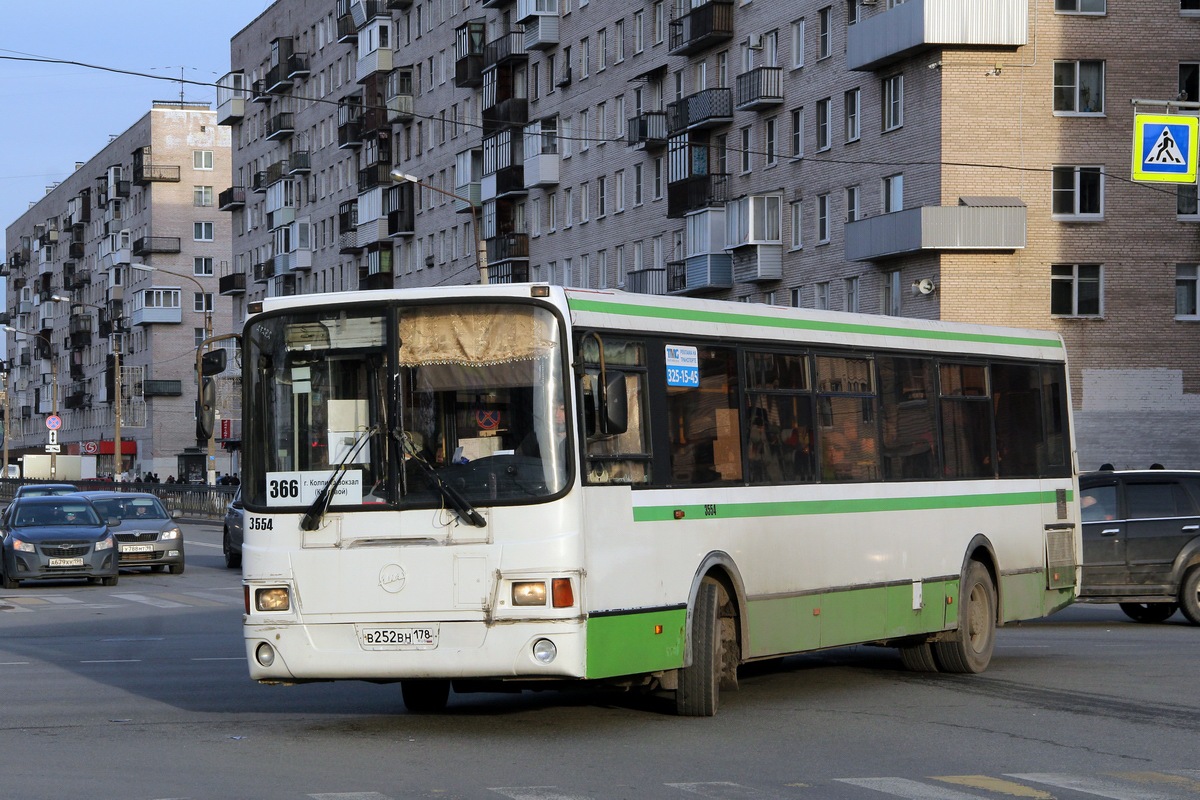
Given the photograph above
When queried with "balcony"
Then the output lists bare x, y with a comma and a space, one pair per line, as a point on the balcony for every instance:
401, 222
760, 88
231, 98
157, 316
370, 281
506, 247
647, 130
258, 182
468, 54
281, 126
696, 193
399, 205
231, 198
505, 114
156, 244
76, 250
509, 272
155, 173
277, 80
760, 263
372, 176
162, 388
503, 182
541, 33
700, 274
299, 162
705, 109
977, 223
350, 132
399, 94
541, 169
276, 172
646, 281
79, 329
508, 49
232, 284
297, 66
373, 63
907, 28
347, 27
76, 397
400, 4
76, 278
259, 93
702, 27
264, 271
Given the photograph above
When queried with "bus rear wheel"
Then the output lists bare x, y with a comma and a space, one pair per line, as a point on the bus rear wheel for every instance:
918, 657
969, 649
714, 655
425, 696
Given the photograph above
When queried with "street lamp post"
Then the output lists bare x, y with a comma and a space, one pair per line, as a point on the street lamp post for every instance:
481, 260
211, 465
53, 395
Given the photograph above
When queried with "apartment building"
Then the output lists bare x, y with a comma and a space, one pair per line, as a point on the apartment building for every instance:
965, 160
117, 265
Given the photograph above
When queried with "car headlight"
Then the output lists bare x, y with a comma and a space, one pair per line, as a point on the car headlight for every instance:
173, 533
23, 546
105, 544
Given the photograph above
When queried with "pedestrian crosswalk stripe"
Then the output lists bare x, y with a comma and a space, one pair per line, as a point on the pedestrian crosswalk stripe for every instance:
913, 790
1182, 781
723, 790
997, 785
157, 602
535, 793
351, 796
1095, 786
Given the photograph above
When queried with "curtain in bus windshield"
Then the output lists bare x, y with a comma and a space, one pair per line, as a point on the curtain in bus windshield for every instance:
481, 397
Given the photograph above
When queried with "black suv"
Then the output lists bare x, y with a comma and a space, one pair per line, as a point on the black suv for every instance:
1141, 542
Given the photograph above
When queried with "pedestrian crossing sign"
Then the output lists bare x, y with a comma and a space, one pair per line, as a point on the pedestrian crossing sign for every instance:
1165, 148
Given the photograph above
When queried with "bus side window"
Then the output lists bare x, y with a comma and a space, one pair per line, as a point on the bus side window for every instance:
618, 457
909, 433
848, 427
705, 424
966, 421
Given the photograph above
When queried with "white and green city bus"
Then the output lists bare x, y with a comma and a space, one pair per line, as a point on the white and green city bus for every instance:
523, 486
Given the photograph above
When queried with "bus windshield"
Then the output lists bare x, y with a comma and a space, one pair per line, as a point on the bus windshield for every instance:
405, 406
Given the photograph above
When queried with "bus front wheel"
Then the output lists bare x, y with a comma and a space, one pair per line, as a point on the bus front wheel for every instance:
425, 696
713, 664
969, 649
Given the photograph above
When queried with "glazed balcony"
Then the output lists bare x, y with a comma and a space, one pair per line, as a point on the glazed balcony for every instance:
468, 54
399, 94
760, 88
375, 62
910, 27
704, 109
232, 91
702, 27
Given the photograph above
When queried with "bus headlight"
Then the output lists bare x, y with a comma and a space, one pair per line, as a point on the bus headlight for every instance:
529, 593
273, 599
544, 651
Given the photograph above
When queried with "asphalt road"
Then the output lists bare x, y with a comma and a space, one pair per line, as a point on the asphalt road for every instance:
141, 691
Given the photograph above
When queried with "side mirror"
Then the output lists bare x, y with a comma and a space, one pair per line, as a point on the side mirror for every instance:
213, 362
614, 412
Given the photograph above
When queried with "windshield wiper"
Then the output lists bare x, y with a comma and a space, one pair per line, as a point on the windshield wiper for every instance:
316, 512
459, 503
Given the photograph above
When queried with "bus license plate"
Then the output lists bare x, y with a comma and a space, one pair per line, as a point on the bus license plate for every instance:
137, 548
66, 562
399, 637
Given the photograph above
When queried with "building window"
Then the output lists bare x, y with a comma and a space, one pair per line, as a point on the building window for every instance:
1189, 81
893, 102
798, 133
823, 124
1075, 290
853, 100
825, 34
202, 231
601, 196
890, 294
745, 151
797, 295
658, 178
1189, 5
202, 196
851, 203
851, 299
1185, 201
893, 193
770, 141
639, 31
852, 12
798, 44
1079, 6
202, 302
202, 159
202, 266
1078, 192
660, 25
638, 197
822, 219
821, 295
1079, 87
619, 190
797, 218
1186, 286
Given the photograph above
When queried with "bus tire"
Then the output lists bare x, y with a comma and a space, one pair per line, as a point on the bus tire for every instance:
918, 658
969, 649
1189, 595
425, 696
1149, 612
700, 683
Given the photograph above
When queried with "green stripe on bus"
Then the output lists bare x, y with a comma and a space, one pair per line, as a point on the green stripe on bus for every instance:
865, 505
630, 644
828, 326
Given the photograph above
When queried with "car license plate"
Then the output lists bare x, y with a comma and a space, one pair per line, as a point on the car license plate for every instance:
137, 548
399, 637
66, 562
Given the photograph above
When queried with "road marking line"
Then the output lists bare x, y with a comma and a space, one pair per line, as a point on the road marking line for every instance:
15, 609
722, 790
220, 598
902, 787
998, 785
112, 661
47, 599
535, 793
1181, 781
351, 796
15, 663
191, 600
150, 601
1077, 783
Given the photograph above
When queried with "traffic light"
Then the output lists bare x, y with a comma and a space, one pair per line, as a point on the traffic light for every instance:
206, 408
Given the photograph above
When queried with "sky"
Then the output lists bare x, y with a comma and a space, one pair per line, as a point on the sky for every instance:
58, 114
